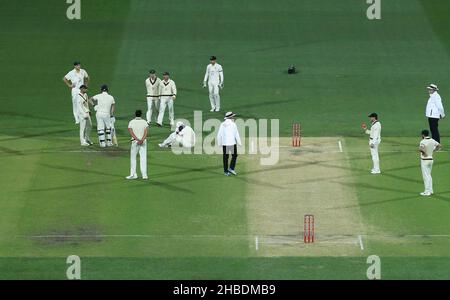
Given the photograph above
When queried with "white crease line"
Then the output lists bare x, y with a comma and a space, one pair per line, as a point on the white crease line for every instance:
360, 242
340, 146
256, 243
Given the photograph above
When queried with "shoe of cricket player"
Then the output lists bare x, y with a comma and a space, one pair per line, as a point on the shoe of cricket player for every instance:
217, 110
375, 172
159, 125
109, 144
232, 172
162, 146
84, 144
131, 177
145, 177
227, 173
90, 143
213, 109
426, 194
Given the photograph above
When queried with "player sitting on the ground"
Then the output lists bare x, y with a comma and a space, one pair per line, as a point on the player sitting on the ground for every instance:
183, 135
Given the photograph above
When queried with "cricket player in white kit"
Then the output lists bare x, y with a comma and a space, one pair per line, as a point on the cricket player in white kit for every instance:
105, 107
183, 135
214, 78
168, 94
138, 129
74, 80
84, 116
152, 84
374, 141
427, 147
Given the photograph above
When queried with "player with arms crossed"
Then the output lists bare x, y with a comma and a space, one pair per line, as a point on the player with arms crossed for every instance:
152, 84
74, 80
214, 78
427, 147
105, 107
374, 141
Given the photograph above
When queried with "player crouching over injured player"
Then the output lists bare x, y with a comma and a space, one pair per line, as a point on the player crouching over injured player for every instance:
426, 148
183, 135
374, 141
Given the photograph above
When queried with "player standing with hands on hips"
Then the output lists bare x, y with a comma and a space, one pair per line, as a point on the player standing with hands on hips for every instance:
74, 80
227, 137
434, 111
374, 141
426, 148
214, 78
138, 129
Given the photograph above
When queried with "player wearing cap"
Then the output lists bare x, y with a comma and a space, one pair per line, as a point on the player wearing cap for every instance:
138, 129
152, 84
168, 94
84, 116
427, 147
214, 78
183, 135
434, 111
374, 141
105, 107
228, 137
74, 80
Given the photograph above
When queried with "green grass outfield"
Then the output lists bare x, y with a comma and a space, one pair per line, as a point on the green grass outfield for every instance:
189, 221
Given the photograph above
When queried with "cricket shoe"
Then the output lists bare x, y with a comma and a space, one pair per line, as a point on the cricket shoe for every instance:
159, 125
375, 172
227, 173
145, 177
90, 143
213, 109
217, 110
109, 144
84, 144
426, 194
232, 172
162, 146
131, 177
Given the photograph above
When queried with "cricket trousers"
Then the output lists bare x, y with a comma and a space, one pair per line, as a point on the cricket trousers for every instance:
227, 150
166, 101
85, 129
142, 151
152, 106
214, 97
173, 137
434, 128
426, 166
75, 93
104, 129
375, 157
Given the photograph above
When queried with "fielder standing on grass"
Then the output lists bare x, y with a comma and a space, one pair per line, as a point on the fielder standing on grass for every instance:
74, 80
427, 147
152, 84
374, 141
227, 137
168, 94
84, 116
434, 111
138, 129
105, 107
214, 78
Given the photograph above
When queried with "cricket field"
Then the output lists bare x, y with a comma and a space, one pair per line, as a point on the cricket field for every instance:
188, 221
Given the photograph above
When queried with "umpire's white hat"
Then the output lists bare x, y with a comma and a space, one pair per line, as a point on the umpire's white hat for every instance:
433, 87
229, 115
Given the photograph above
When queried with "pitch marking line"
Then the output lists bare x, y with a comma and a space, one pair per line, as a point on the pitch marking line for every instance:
256, 243
340, 146
360, 242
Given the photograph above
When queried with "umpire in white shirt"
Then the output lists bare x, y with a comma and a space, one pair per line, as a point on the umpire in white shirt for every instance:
434, 111
228, 137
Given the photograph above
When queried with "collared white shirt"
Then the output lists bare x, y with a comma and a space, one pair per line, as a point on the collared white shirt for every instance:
435, 109
152, 87
167, 88
187, 135
104, 103
374, 132
228, 134
77, 78
138, 125
82, 105
214, 73
428, 145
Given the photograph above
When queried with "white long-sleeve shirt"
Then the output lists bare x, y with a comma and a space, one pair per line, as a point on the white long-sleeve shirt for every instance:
228, 134
435, 109
152, 87
167, 88
83, 105
374, 132
77, 78
214, 74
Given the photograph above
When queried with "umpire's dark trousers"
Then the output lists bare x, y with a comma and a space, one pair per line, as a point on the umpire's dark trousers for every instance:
227, 150
434, 128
